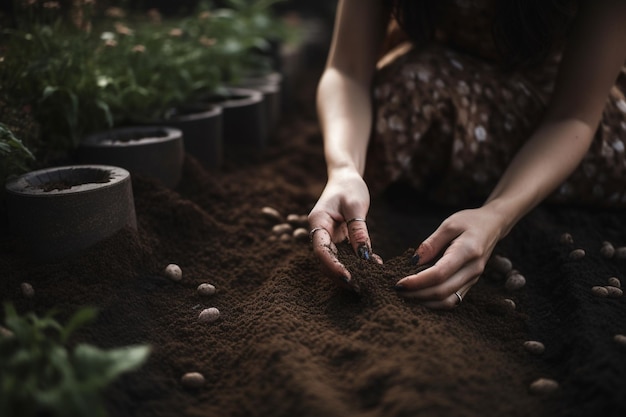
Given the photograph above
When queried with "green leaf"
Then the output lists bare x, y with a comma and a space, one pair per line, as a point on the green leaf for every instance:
79, 319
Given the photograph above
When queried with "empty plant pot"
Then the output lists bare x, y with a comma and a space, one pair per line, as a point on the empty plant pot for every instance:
60, 211
244, 119
202, 132
152, 151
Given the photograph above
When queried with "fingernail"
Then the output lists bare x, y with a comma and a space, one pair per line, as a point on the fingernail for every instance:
415, 259
364, 252
399, 288
346, 279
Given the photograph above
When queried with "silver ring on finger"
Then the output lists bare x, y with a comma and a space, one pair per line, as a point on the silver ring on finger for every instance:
355, 219
460, 297
316, 229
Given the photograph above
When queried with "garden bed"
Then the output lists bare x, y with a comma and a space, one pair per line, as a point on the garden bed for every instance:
289, 343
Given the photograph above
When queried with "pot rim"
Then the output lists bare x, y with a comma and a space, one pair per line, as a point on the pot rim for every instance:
101, 139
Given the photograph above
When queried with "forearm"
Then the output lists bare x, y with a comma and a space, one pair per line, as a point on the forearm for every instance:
345, 113
542, 164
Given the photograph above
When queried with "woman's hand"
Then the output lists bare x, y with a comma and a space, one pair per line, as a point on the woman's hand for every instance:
340, 213
466, 239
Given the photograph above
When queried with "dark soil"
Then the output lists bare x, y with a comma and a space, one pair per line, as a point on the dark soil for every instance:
290, 343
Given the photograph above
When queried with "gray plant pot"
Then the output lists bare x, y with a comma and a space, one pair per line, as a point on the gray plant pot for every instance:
152, 151
270, 85
57, 212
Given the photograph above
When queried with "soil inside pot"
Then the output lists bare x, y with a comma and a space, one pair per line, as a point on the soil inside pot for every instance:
187, 110
134, 135
72, 178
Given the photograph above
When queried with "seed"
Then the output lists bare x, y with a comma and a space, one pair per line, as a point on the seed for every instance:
272, 214
621, 339
620, 253
500, 265
301, 233
509, 303
615, 282
577, 254
298, 219
544, 386
209, 315
515, 282
566, 239
173, 272
600, 291
272, 238
282, 228
614, 292
192, 380
534, 347
206, 289
5, 333
285, 237
607, 250
27, 290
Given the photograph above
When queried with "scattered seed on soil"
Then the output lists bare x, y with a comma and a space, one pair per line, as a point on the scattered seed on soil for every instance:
27, 290
515, 282
509, 303
209, 315
301, 233
272, 238
298, 219
577, 254
600, 291
173, 272
272, 214
621, 339
544, 386
206, 289
192, 380
534, 347
566, 239
614, 292
285, 237
499, 265
620, 253
607, 250
282, 228
615, 282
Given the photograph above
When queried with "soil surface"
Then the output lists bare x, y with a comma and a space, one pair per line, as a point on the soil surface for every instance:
290, 343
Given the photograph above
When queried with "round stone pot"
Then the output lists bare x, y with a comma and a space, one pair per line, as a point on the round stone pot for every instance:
202, 132
243, 112
152, 151
270, 86
57, 212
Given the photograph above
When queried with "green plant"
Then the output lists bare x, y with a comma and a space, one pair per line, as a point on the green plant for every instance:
39, 375
14, 155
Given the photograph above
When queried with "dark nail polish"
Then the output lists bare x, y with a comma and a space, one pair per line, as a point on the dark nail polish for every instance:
346, 280
364, 252
415, 259
399, 288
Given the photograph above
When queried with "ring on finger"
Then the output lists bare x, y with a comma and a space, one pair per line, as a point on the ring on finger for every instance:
355, 219
460, 297
316, 229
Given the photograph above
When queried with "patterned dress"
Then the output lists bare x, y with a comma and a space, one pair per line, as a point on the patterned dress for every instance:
448, 120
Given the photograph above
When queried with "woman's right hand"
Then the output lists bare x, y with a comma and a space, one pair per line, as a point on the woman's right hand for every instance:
340, 213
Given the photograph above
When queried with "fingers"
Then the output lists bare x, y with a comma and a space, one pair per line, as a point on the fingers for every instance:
360, 239
452, 301
326, 251
435, 243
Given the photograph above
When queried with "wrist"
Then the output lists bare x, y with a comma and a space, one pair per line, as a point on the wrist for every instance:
506, 214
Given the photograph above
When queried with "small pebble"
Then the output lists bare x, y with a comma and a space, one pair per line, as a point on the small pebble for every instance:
209, 315
285, 237
272, 214
544, 386
173, 272
301, 233
500, 265
282, 228
577, 254
509, 303
515, 282
272, 238
615, 282
206, 289
566, 239
600, 291
534, 347
614, 292
607, 250
620, 253
621, 339
192, 380
298, 219
27, 290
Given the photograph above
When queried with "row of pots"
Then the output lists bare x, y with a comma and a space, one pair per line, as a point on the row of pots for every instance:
59, 211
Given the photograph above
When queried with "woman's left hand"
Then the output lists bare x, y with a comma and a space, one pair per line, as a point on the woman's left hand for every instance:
466, 239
